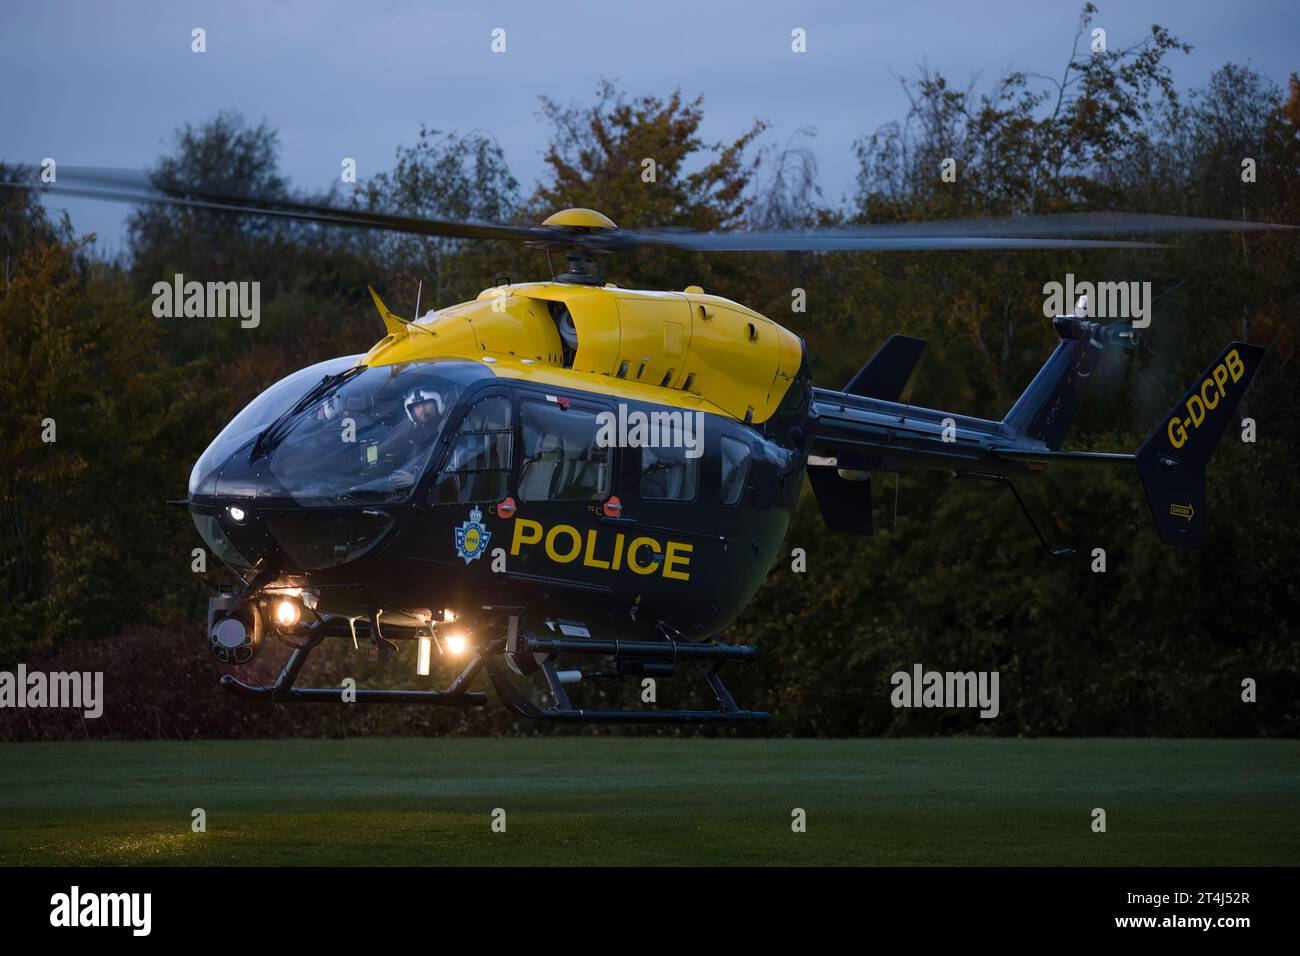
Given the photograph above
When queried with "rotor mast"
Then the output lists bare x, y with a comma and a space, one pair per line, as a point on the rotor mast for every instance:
586, 264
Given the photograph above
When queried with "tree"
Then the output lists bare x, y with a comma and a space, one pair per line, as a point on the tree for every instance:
642, 162
221, 155
448, 176
94, 431
1033, 144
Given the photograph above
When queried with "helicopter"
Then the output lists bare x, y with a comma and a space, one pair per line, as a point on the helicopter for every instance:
570, 481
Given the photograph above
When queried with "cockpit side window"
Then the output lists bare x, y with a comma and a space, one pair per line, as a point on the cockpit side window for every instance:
481, 455
561, 460
735, 469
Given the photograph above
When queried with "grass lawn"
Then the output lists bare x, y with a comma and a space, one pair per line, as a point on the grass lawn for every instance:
592, 800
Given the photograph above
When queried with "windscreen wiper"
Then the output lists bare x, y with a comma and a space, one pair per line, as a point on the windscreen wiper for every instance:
267, 440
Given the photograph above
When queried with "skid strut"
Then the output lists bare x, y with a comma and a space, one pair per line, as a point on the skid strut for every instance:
283, 691
707, 658
1003, 479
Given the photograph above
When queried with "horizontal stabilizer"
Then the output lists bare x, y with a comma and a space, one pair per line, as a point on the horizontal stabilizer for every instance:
886, 373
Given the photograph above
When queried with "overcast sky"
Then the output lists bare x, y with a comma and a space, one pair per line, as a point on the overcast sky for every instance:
103, 84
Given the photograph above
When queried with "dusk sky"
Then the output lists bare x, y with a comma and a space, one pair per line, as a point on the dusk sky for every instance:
103, 84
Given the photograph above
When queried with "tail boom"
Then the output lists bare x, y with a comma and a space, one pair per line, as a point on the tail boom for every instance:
854, 435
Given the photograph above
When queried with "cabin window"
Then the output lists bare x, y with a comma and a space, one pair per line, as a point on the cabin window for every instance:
735, 469
478, 464
668, 475
561, 460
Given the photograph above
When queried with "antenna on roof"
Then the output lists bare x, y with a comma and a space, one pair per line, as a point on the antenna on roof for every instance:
418, 289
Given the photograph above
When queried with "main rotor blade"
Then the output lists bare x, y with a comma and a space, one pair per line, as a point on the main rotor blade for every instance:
1052, 230
131, 186
858, 242
1048, 231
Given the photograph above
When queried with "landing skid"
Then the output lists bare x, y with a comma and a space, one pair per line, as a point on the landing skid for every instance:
283, 691
706, 658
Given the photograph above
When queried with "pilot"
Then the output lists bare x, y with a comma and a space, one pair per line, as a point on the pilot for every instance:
425, 409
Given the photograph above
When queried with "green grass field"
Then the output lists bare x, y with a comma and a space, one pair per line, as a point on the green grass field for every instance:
652, 801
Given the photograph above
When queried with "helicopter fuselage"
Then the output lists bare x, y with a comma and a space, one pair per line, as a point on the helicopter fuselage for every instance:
625, 559
580, 517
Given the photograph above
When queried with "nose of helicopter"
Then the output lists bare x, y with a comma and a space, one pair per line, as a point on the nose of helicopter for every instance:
245, 535
310, 479
245, 525
233, 529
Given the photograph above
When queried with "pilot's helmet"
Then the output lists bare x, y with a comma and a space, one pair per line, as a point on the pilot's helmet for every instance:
420, 395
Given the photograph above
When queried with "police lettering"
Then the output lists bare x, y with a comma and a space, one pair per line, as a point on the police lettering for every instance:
1205, 399
565, 544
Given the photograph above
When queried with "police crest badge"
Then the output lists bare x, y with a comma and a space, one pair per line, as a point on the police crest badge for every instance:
472, 537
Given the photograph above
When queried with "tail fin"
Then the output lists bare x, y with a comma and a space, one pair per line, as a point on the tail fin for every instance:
1172, 460
887, 372
1046, 408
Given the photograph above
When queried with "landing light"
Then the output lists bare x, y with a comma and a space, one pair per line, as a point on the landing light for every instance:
455, 643
236, 513
425, 653
287, 613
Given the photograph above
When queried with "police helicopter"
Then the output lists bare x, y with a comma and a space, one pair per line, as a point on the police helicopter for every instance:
485, 483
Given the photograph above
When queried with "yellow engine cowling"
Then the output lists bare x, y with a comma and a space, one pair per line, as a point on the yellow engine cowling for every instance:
688, 348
